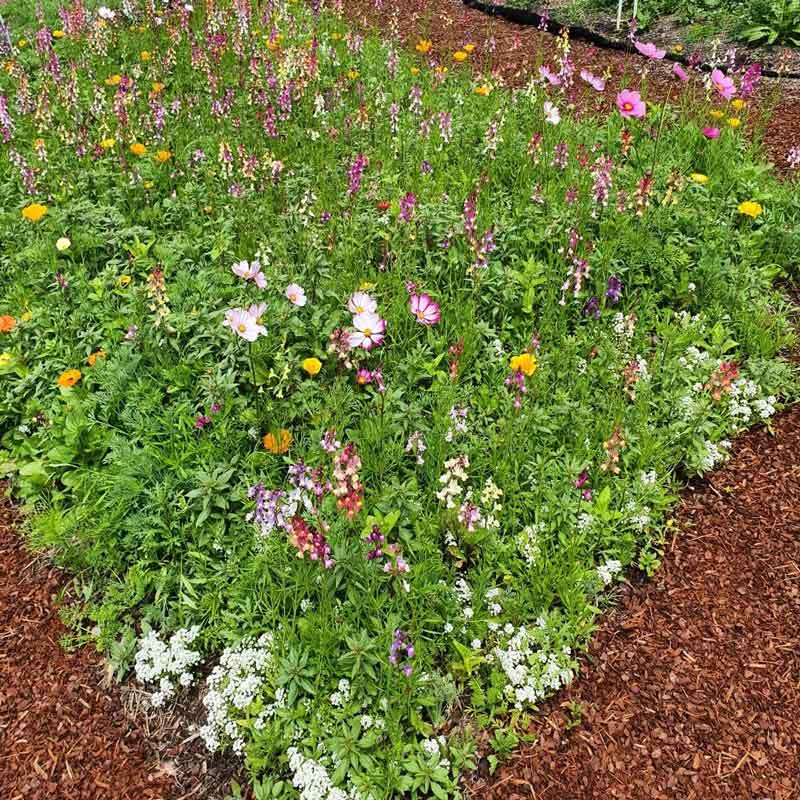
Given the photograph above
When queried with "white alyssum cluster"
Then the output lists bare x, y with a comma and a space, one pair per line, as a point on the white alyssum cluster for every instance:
608, 570
231, 687
533, 664
713, 454
745, 400
312, 781
166, 662
340, 697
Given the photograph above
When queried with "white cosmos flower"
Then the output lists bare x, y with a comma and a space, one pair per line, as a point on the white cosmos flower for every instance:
246, 323
360, 302
551, 113
296, 295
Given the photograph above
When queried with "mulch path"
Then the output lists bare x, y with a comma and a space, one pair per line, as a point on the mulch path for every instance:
63, 732
691, 688
513, 53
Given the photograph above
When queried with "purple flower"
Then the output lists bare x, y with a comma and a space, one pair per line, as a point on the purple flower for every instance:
614, 289
202, 421
592, 308
407, 204
355, 172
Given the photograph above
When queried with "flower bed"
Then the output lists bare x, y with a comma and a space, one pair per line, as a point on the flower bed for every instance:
351, 380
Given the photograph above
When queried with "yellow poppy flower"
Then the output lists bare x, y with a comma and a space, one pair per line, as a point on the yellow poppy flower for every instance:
738, 103
144, 55
468, 48
483, 90
414, 70
163, 155
312, 365
107, 144
157, 87
459, 56
525, 363
423, 46
58, 34
34, 212
750, 208
113, 80
734, 122
352, 74
716, 114
698, 177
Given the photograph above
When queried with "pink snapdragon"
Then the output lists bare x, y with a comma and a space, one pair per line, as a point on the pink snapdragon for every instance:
630, 104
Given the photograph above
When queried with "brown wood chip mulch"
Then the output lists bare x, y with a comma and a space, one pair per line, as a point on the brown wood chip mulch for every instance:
513, 53
63, 734
691, 689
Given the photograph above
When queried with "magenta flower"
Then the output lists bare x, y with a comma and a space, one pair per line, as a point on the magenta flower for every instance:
425, 311
598, 84
650, 50
369, 330
723, 84
630, 104
549, 76
711, 133
680, 72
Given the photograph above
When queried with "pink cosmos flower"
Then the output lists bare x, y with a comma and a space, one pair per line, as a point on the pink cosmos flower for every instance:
360, 302
250, 272
425, 311
680, 72
296, 295
369, 330
650, 50
551, 113
630, 104
711, 133
598, 84
723, 84
549, 76
244, 323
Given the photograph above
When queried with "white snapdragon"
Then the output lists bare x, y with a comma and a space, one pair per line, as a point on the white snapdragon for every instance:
166, 663
529, 543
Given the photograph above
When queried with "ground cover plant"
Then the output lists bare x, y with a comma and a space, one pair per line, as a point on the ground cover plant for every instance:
348, 382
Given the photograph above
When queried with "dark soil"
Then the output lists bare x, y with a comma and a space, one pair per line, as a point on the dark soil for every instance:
691, 688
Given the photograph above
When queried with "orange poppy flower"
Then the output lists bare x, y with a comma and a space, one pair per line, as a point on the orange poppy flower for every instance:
92, 359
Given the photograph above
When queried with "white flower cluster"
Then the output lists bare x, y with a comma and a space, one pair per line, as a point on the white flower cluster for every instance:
458, 417
340, 697
624, 326
648, 478
166, 662
528, 543
745, 400
313, 782
694, 358
607, 571
532, 665
714, 454
231, 687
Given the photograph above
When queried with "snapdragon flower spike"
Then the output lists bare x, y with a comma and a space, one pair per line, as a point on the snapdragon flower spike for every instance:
347, 487
613, 289
356, 172
402, 648
376, 539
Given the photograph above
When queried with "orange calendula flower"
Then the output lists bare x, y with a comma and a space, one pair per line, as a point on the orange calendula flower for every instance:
278, 444
138, 149
157, 87
34, 212
7, 323
163, 155
144, 55
423, 46
113, 80
459, 56
92, 359
524, 363
69, 378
